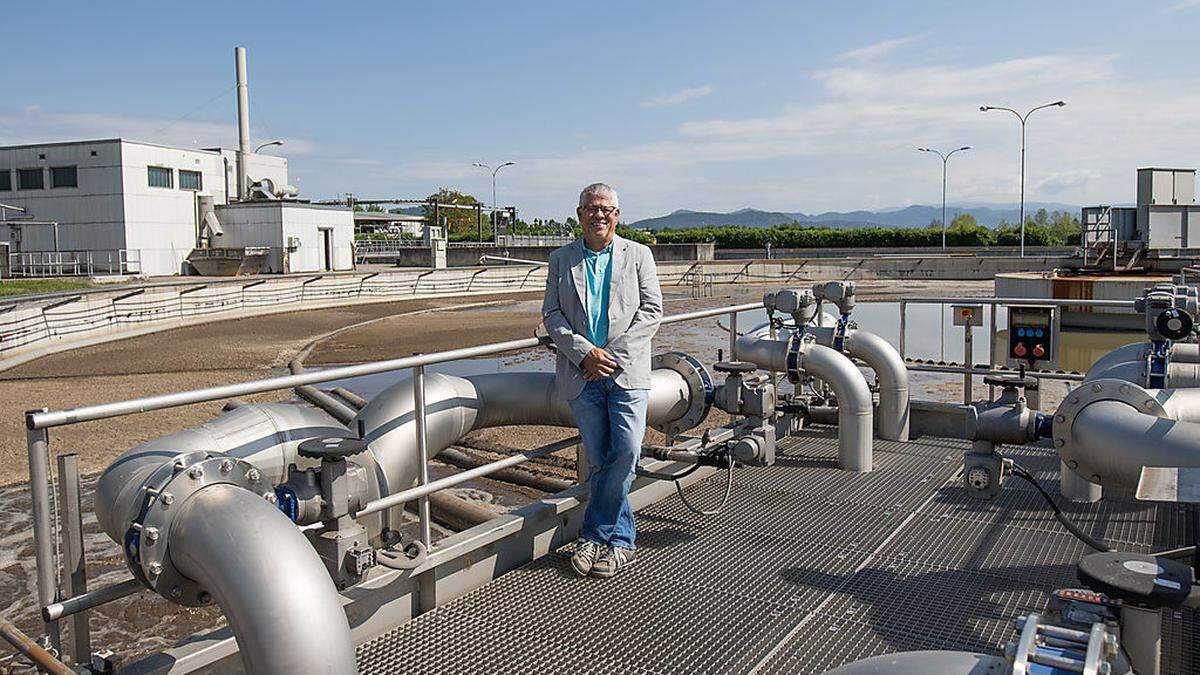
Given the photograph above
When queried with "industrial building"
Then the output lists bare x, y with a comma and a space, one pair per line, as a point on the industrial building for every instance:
1164, 222
117, 206
115, 197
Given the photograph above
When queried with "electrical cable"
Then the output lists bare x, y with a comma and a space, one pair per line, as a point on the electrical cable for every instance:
720, 507
668, 476
1021, 472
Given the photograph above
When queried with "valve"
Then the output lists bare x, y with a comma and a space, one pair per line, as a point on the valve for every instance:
753, 396
343, 489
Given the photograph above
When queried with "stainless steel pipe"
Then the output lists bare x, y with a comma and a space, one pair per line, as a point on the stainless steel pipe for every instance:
458, 405
890, 373
855, 406
266, 435
268, 580
1111, 441
855, 426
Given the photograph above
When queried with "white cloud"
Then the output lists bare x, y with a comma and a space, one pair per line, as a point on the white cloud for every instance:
878, 49
1060, 181
33, 124
851, 144
1181, 6
678, 97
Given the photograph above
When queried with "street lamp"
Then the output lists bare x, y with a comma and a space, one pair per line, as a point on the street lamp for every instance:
1023, 118
494, 172
264, 145
945, 158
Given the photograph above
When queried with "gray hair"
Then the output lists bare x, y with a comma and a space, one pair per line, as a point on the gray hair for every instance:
600, 190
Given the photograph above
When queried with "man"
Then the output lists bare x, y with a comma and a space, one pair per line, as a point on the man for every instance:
602, 306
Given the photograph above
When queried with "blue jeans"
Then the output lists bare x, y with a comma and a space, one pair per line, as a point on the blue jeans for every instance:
611, 421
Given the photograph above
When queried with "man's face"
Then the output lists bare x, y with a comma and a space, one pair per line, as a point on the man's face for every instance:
598, 215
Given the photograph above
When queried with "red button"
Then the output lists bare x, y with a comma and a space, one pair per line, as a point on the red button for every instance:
1039, 351
1019, 350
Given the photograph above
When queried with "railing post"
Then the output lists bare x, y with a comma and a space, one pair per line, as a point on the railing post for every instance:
968, 358
43, 527
423, 451
74, 563
903, 326
733, 336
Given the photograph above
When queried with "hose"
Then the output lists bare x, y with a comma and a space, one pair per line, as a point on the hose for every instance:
1020, 472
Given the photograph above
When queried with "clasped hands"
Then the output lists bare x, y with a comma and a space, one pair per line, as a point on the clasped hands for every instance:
598, 364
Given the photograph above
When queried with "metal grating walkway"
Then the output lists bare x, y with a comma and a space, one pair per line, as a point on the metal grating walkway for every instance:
808, 568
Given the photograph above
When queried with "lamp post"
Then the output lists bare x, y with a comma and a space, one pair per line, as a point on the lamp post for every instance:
494, 172
1022, 118
945, 159
264, 145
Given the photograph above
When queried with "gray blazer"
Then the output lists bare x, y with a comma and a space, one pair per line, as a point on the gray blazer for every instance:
634, 310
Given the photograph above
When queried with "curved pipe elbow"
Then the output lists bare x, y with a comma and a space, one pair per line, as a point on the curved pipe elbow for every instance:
855, 415
268, 580
892, 376
1110, 442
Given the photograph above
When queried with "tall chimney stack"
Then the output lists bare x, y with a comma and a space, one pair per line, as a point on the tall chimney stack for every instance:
243, 98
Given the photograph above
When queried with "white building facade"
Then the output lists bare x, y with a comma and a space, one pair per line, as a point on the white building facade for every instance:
118, 197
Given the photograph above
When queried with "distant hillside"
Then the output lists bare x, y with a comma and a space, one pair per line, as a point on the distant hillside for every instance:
909, 216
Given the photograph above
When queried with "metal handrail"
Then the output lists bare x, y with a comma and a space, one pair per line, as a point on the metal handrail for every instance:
45, 420
1057, 302
450, 481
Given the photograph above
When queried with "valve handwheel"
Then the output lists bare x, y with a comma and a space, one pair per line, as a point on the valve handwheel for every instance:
1010, 381
734, 367
331, 449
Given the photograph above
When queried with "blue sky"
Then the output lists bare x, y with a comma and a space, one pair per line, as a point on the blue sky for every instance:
797, 106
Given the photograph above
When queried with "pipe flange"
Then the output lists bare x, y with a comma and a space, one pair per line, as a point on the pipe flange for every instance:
166, 491
795, 356
1088, 393
701, 390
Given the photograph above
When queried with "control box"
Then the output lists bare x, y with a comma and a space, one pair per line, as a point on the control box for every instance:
967, 315
1032, 336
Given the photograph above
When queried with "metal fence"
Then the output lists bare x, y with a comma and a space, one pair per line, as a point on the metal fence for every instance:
71, 315
34, 264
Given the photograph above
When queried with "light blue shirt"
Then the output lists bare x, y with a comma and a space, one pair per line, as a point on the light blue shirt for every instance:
599, 277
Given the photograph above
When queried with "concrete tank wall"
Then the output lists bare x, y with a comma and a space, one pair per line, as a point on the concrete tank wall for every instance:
468, 256
1093, 287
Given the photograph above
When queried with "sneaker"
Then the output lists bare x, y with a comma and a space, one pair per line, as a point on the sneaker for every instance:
586, 554
612, 560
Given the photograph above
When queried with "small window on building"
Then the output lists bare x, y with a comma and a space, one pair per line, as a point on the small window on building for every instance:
5, 180
30, 179
64, 176
190, 180
160, 177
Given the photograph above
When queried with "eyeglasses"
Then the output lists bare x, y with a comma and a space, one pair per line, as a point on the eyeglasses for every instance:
592, 210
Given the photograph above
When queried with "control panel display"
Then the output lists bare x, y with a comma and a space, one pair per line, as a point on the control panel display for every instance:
1031, 335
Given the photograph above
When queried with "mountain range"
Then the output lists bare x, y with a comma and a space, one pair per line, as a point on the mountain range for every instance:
988, 215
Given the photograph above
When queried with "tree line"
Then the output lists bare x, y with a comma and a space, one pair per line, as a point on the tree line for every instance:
1043, 228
